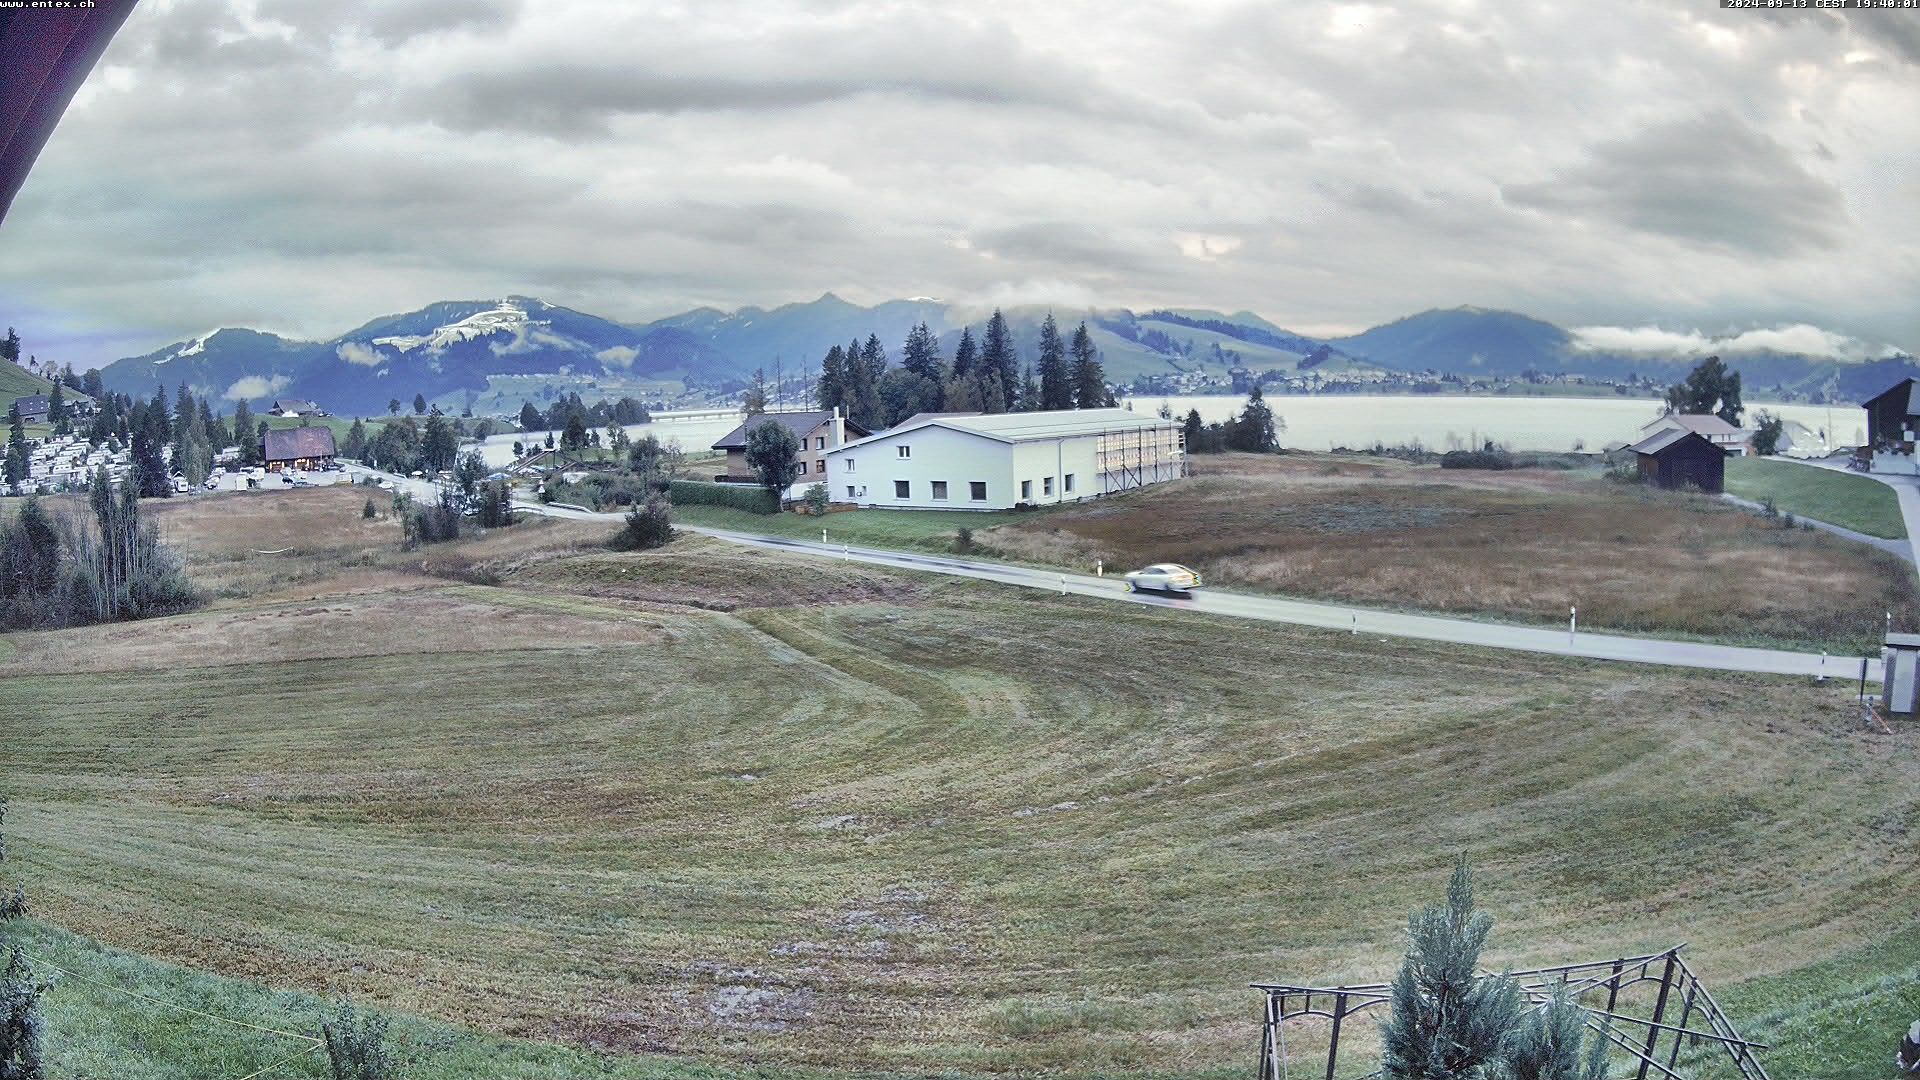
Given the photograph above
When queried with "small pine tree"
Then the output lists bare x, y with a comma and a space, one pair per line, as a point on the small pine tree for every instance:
1448, 1022
1545, 1044
649, 525
357, 1045
369, 511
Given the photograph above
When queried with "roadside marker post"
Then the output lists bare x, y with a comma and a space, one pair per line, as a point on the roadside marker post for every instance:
845, 553
1356, 625
1822, 677
823, 536
1063, 584
1099, 568
1573, 622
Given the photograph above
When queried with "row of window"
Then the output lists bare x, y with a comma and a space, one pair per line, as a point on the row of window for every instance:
976, 489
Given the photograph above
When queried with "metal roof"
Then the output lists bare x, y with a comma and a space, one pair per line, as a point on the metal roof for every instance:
1033, 426
797, 422
1702, 423
1910, 385
288, 444
1664, 438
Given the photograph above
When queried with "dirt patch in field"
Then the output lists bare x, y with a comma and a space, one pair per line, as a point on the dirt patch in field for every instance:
436, 620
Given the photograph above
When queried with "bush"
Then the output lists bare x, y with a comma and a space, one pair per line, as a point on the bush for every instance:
22, 1031
963, 541
817, 500
494, 501
357, 1045
701, 493
1477, 459
369, 511
649, 525
434, 524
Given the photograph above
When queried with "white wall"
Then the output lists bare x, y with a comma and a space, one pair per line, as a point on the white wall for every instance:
936, 454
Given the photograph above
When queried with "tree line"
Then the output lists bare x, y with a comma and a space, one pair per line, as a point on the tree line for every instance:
1256, 430
984, 376
71, 569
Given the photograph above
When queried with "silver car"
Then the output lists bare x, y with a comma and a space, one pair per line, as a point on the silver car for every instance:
1163, 577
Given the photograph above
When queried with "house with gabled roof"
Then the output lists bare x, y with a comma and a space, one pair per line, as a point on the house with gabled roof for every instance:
819, 432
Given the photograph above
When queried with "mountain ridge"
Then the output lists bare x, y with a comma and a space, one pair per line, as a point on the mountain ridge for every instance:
482, 353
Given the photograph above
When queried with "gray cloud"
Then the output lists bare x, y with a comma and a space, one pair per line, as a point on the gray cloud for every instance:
1708, 180
299, 165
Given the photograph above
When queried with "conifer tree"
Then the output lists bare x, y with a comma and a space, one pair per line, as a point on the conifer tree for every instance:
419, 404
1056, 382
965, 355
1448, 1022
1089, 378
250, 449
1545, 1044
57, 410
10, 347
832, 392
1000, 359
1032, 398
16, 465
921, 355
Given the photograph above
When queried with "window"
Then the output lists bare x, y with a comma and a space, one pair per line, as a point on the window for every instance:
903, 450
1069, 483
901, 489
820, 466
849, 462
1026, 490
978, 491
819, 442
940, 489
1046, 486
849, 491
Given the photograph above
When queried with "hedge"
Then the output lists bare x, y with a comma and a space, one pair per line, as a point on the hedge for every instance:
698, 492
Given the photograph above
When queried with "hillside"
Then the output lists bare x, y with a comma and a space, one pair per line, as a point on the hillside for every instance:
16, 381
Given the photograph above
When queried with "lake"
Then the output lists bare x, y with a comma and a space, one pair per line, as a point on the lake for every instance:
1443, 422
1324, 421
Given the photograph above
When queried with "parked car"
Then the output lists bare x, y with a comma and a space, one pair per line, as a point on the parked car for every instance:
1163, 577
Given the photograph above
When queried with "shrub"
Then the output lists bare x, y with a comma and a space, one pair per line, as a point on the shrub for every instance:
369, 511
1447, 1019
963, 540
357, 1045
648, 525
494, 502
22, 1031
817, 500
1490, 458
433, 524
700, 492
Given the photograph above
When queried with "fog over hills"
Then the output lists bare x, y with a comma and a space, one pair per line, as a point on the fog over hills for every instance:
484, 352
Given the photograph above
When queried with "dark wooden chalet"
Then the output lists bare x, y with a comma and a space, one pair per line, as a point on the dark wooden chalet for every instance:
1677, 458
299, 448
1893, 416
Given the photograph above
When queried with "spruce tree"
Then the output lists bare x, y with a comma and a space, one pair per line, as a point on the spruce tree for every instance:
1032, 398
57, 410
965, 355
832, 392
10, 347
1089, 378
250, 451
1056, 382
1000, 359
16, 466
921, 355
419, 404
1448, 1022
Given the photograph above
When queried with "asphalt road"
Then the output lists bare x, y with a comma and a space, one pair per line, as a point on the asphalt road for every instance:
1491, 635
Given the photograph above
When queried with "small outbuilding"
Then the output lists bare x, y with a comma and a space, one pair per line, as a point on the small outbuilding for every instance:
303, 448
1678, 458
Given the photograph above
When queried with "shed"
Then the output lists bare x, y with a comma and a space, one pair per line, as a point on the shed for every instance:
299, 448
1677, 458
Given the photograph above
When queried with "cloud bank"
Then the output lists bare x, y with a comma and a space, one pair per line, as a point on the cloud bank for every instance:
295, 164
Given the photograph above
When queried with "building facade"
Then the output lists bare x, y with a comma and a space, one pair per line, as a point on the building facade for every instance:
301, 448
819, 433
1002, 461
1893, 422
1675, 458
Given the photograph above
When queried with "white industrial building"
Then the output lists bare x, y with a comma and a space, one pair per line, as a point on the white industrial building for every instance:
963, 462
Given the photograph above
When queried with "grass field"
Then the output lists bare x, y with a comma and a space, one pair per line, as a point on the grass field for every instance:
1856, 502
761, 813
1519, 546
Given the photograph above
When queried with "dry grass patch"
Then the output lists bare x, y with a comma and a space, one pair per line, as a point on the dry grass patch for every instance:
1522, 544
696, 571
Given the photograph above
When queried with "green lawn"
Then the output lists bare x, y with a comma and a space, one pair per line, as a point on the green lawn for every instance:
1855, 502
899, 824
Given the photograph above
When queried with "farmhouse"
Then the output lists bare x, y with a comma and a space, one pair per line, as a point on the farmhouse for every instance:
1893, 418
303, 448
1675, 457
33, 408
1706, 425
295, 407
819, 433
998, 462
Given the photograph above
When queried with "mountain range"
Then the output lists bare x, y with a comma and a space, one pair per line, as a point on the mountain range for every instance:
488, 355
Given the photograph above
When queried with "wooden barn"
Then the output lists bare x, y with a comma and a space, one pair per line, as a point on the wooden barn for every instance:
1678, 458
304, 448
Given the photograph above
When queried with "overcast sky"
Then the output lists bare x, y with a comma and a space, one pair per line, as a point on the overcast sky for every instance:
304, 165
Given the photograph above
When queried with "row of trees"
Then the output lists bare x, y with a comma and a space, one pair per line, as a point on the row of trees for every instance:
570, 412
1256, 430
984, 376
